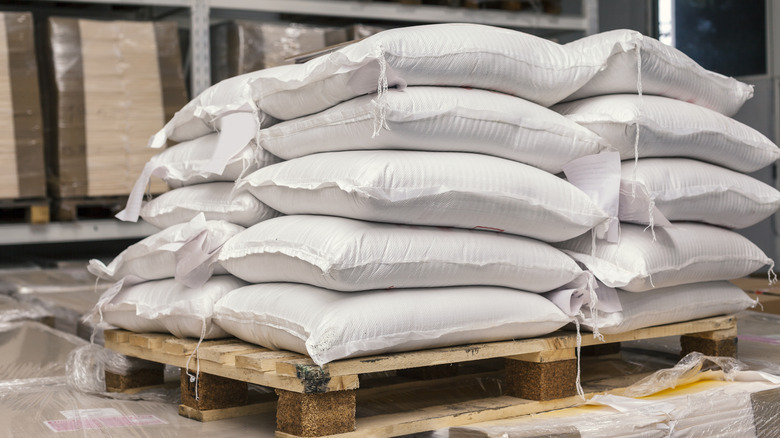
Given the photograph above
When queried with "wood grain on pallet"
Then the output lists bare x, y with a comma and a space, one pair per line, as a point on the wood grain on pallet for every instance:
303, 385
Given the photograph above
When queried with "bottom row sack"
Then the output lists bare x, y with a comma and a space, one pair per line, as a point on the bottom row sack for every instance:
329, 325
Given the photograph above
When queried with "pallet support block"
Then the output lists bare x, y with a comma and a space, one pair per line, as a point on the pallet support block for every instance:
213, 392
315, 414
142, 378
601, 350
713, 343
542, 376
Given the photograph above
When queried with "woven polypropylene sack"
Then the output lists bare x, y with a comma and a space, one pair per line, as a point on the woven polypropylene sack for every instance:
680, 254
690, 190
184, 163
635, 63
670, 305
166, 306
155, 257
438, 119
217, 201
429, 188
329, 325
352, 255
459, 55
672, 128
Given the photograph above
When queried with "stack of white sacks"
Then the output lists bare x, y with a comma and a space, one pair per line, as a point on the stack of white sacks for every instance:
418, 181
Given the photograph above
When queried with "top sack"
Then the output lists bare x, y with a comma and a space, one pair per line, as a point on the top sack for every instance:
665, 71
459, 55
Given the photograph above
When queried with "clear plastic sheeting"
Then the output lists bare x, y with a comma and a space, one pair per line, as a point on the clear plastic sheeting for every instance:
759, 340
12, 310
86, 367
48, 280
49, 407
701, 396
30, 349
691, 368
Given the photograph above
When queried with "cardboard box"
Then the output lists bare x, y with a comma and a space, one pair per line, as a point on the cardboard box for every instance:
22, 169
114, 84
240, 46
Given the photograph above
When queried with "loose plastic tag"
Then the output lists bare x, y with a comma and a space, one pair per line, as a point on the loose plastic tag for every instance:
194, 258
599, 177
135, 199
194, 262
158, 140
236, 131
573, 296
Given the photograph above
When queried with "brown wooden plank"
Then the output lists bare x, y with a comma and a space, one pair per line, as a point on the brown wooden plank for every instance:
186, 346
556, 341
226, 353
265, 360
148, 341
117, 336
270, 379
223, 414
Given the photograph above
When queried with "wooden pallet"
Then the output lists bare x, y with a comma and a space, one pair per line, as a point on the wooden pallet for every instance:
31, 211
73, 209
538, 375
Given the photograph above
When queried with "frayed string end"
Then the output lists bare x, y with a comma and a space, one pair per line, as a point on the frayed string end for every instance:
380, 103
194, 379
578, 381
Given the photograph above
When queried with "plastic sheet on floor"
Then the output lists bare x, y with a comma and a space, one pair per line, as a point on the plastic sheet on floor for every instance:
29, 349
691, 399
49, 407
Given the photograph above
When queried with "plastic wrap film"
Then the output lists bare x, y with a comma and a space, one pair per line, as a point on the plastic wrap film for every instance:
759, 341
12, 310
22, 169
242, 46
86, 368
689, 399
65, 293
49, 407
70, 279
116, 83
29, 349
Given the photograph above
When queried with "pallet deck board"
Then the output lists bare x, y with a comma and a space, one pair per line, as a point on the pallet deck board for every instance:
33, 211
294, 375
284, 366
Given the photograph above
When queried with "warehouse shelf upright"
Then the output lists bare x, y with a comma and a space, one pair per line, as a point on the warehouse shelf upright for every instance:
201, 13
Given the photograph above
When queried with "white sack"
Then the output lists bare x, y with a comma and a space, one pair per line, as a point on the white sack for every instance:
439, 119
672, 128
689, 190
186, 164
177, 251
665, 71
456, 54
670, 305
217, 201
351, 255
166, 306
429, 188
329, 325
681, 254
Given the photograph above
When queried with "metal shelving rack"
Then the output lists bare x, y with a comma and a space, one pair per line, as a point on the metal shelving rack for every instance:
200, 14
